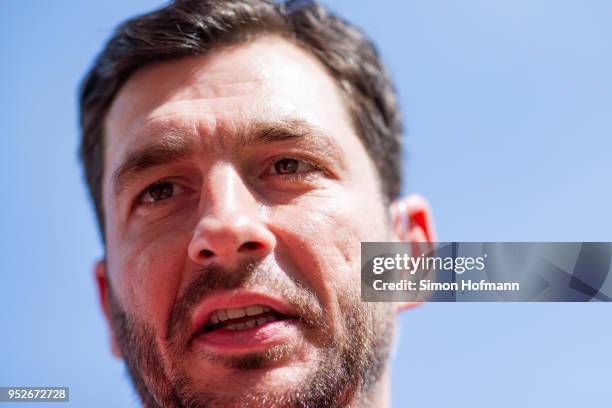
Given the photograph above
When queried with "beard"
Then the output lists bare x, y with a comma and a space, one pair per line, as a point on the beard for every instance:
351, 361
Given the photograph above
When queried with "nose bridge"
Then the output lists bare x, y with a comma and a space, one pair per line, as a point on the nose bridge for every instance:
230, 226
226, 194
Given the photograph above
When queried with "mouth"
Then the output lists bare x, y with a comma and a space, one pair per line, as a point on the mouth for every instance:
242, 318
243, 322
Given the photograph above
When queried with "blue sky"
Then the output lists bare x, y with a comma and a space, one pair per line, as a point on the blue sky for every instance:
508, 134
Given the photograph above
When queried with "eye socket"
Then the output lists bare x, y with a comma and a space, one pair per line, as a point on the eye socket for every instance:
160, 191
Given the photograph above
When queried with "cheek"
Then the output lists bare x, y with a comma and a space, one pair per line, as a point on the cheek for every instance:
146, 274
322, 237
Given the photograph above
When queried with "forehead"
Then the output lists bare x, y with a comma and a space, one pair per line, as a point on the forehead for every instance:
218, 94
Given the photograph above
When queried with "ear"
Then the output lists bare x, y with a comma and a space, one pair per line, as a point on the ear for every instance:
103, 294
412, 222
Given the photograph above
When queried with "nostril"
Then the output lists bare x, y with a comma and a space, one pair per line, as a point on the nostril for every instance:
205, 253
250, 246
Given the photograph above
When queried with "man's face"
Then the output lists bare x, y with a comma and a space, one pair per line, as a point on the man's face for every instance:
236, 194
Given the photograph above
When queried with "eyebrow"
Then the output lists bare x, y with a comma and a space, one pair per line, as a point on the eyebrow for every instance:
296, 131
172, 148
175, 146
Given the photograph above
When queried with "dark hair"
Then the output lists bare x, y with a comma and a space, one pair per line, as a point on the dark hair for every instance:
195, 27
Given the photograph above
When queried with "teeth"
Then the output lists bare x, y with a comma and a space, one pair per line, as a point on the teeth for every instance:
222, 314
254, 310
236, 313
250, 323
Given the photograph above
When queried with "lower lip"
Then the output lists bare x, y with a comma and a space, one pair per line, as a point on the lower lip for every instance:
248, 340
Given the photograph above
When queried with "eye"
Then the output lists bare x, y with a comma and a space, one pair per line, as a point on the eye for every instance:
289, 165
286, 172
286, 166
160, 191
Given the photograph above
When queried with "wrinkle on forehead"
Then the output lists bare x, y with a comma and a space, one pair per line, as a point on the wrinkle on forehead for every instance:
230, 72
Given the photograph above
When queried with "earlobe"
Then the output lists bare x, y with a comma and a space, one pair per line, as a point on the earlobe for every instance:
412, 222
103, 294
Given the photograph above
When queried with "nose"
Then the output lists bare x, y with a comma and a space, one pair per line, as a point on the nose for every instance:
231, 228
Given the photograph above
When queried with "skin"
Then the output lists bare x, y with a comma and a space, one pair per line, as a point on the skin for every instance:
303, 229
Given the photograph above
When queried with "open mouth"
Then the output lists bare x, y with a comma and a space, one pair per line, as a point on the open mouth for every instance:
243, 322
242, 318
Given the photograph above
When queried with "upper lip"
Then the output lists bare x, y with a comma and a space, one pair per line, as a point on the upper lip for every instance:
234, 299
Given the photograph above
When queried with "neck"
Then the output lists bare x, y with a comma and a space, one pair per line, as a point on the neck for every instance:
378, 397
